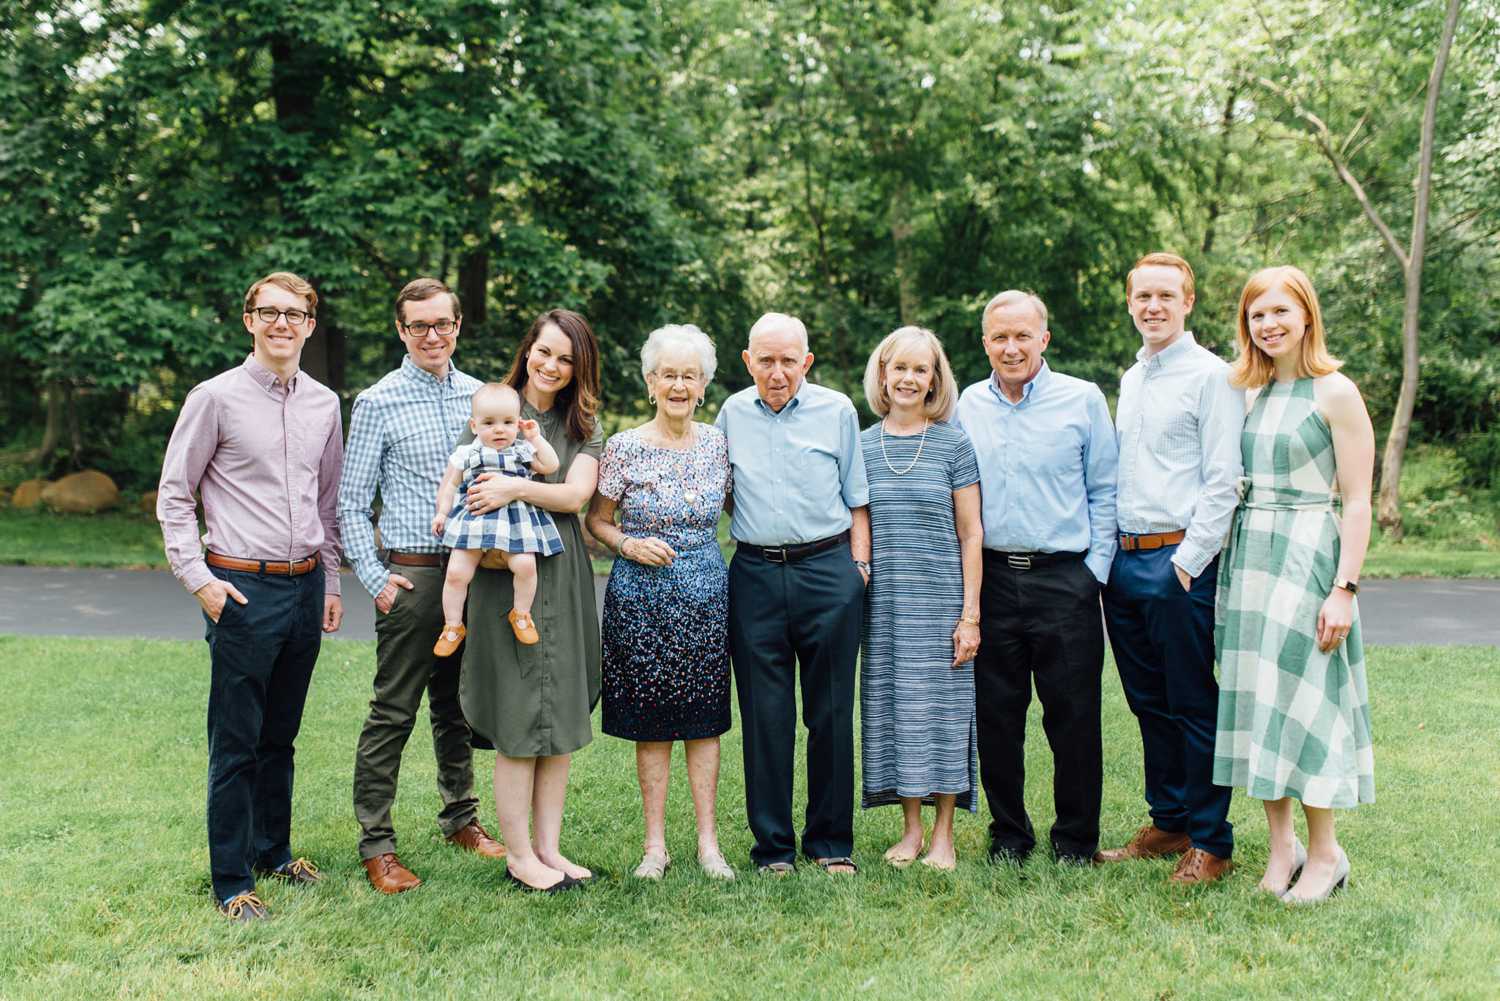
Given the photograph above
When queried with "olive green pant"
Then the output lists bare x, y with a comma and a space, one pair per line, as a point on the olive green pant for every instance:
404, 668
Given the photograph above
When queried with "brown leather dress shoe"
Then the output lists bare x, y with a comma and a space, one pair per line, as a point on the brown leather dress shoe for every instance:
1149, 842
473, 838
388, 875
1199, 866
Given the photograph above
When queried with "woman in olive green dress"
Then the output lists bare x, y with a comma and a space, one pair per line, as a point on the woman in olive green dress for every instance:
533, 702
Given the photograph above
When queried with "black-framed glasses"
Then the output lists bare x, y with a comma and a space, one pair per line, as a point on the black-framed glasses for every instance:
443, 328
270, 314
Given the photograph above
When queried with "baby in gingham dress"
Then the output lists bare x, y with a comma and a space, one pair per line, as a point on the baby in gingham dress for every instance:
518, 530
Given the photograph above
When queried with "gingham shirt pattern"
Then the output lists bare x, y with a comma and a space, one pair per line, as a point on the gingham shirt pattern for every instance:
1293, 721
518, 527
401, 432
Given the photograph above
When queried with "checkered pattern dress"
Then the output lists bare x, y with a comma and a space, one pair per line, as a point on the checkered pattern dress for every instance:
1293, 721
515, 528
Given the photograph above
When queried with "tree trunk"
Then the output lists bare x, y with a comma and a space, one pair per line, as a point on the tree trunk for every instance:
1388, 510
52, 430
901, 231
1215, 206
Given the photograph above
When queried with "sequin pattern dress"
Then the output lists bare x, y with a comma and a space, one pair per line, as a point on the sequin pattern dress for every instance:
665, 631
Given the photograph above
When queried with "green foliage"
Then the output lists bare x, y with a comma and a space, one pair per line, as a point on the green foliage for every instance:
862, 163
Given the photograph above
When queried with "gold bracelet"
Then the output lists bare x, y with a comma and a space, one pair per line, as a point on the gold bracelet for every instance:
966, 620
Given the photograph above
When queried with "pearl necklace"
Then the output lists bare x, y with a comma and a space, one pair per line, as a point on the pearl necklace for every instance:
915, 459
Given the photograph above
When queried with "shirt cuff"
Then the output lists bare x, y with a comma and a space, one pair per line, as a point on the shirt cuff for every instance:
373, 576
1098, 566
1192, 558
331, 584
195, 575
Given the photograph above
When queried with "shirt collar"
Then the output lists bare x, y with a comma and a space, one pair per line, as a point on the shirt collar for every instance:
792, 404
265, 378
417, 373
1170, 353
1036, 383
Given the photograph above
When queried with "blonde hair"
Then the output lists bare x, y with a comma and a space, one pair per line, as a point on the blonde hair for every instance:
294, 284
1254, 368
493, 393
1162, 259
942, 397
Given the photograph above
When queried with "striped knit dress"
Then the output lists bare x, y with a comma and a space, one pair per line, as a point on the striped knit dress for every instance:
916, 711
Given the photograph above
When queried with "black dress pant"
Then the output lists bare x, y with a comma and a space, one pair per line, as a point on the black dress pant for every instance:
262, 656
1041, 623
786, 617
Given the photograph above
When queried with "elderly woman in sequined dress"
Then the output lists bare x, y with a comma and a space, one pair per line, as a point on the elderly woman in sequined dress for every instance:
666, 648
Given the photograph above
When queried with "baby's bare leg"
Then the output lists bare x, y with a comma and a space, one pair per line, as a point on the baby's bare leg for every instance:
523, 568
461, 566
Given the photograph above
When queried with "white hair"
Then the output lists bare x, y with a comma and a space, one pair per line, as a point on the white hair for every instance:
779, 321
1011, 296
678, 335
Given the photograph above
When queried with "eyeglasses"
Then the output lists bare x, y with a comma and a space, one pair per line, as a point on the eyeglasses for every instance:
443, 328
669, 377
270, 314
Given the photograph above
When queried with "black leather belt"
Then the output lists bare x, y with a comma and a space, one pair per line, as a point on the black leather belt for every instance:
795, 551
1029, 561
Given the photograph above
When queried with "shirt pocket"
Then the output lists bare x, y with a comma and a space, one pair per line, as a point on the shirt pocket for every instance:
1174, 436
421, 448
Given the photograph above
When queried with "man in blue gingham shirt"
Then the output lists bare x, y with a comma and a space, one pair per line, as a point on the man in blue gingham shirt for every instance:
401, 433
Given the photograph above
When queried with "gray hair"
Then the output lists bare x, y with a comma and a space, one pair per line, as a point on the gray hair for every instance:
778, 321
678, 335
1012, 296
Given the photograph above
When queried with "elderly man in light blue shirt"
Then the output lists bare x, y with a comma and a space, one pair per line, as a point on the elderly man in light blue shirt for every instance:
796, 593
1179, 424
1047, 465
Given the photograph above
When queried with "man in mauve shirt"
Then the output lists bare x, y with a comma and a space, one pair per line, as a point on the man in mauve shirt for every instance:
263, 444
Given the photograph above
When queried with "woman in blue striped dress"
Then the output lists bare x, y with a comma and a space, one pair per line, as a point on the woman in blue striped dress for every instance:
921, 626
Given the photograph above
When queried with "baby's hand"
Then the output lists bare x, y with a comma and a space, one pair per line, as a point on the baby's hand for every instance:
529, 430
438, 522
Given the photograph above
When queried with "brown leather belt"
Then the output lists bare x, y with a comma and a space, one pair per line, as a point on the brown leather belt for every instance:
281, 568
416, 559
796, 551
1129, 543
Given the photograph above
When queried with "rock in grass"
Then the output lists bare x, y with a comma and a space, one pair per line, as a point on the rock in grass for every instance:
28, 495
87, 492
148, 502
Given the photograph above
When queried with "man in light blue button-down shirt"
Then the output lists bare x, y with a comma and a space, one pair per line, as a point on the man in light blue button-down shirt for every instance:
1179, 422
1047, 458
796, 592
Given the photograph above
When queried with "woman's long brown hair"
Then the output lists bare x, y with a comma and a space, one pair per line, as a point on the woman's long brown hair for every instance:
580, 397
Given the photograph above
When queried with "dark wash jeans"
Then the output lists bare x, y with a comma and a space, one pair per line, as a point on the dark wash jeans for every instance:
262, 656
1163, 639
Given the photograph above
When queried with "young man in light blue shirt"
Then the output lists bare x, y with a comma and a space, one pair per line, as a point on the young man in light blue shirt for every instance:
1047, 463
1179, 423
796, 593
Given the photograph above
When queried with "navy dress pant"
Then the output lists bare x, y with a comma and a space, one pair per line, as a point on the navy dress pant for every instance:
784, 618
1163, 640
262, 656
1040, 624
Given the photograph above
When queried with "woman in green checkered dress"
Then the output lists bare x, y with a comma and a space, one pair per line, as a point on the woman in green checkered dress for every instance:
1294, 720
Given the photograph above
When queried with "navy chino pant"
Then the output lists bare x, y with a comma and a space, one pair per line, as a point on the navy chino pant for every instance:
1163, 640
786, 618
1040, 624
262, 656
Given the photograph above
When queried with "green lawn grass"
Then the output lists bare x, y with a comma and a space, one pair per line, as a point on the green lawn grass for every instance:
104, 869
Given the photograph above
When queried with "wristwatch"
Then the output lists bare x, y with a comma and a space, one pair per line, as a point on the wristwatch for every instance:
1347, 585
862, 566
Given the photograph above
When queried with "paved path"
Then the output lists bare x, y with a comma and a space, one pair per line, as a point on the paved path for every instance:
49, 601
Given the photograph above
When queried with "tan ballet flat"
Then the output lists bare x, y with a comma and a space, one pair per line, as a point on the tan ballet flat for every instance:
523, 627
453, 634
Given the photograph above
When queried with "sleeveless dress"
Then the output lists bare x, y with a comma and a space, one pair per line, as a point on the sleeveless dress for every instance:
1293, 721
917, 727
515, 528
666, 629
